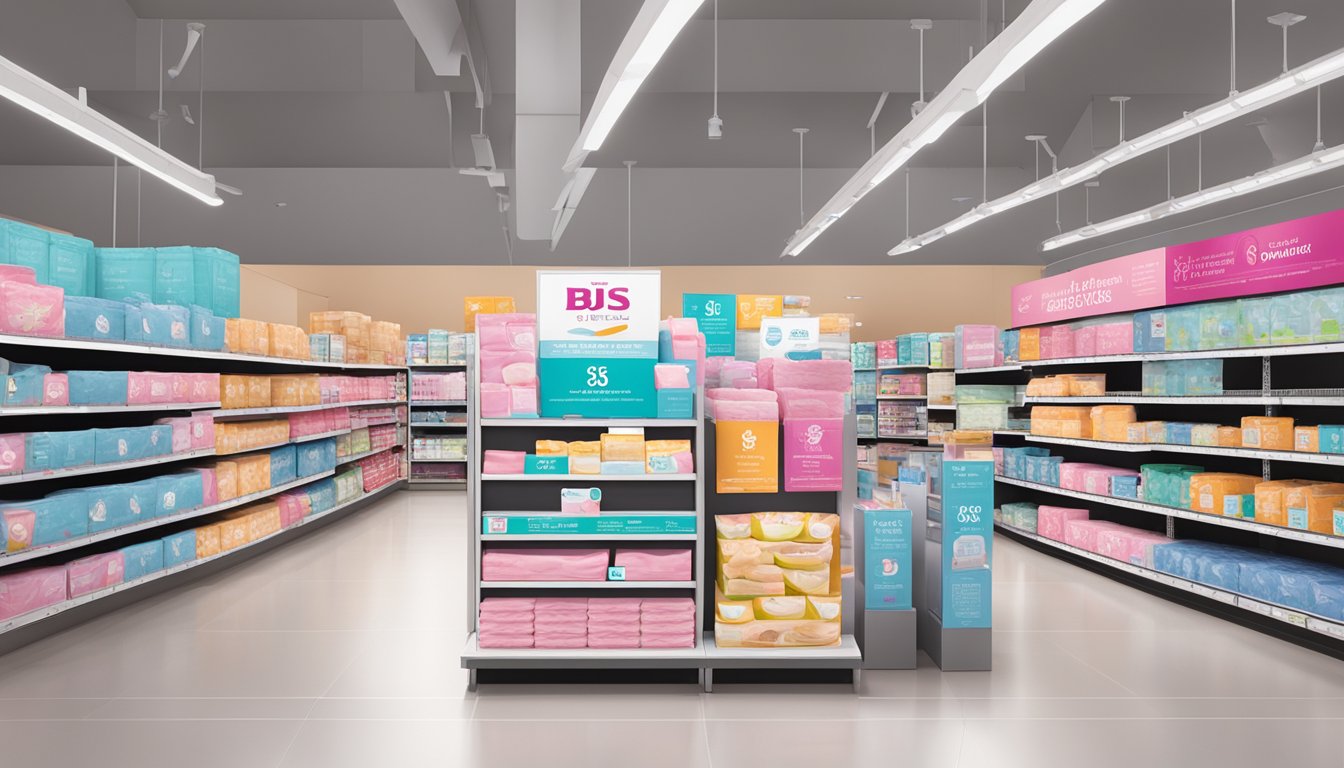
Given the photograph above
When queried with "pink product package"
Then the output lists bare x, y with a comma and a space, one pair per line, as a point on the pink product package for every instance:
17, 274
1115, 338
579, 502
1061, 340
671, 376
509, 604
561, 606
31, 310
27, 591
146, 387
181, 432
655, 564
1129, 545
544, 565
765, 373
760, 395
495, 362
682, 326
487, 640
887, 352
1083, 533
13, 451
55, 389
1085, 341
998, 460
208, 485
204, 388
672, 605
831, 375
522, 401
561, 641
1072, 474
745, 410
1098, 481
179, 387
713, 368
291, 509
509, 331
613, 641
503, 463
734, 371
518, 374
1050, 521
202, 431
496, 401
675, 640
95, 572
811, 404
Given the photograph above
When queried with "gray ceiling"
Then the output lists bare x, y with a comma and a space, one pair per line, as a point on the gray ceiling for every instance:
330, 105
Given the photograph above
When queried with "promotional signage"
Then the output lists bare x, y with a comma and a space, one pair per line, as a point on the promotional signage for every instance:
968, 538
794, 338
716, 314
1119, 285
746, 456
598, 342
887, 551
753, 308
812, 455
1292, 255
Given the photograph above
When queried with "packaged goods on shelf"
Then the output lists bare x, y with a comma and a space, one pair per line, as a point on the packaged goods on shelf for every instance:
1052, 522
863, 354
379, 470
585, 457
1061, 421
1292, 583
942, 388
94, 573
31, 589
989, 416
305, 423
655, 564
1221, 493
287, 341
896, 419
326, 347
485, 305
1310, 507
580, 501
669, 457
239, 436
1273, 433
1010, 341
98, 319
1111, 422
1330, 438
439, 386
1019, 515
315, 457
508, 364
453, 448
901, 384
1169, 484
544, 564
247, 337
977, 346
385, 343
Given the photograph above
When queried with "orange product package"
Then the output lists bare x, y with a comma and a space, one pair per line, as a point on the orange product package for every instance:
1311, 507
254, 473
1270, 433
484, 305
208, 541
226, 480
258, 391
233, 391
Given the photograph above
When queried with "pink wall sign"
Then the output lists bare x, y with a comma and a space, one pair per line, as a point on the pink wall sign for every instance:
1303, 253
1137, 281
812, 454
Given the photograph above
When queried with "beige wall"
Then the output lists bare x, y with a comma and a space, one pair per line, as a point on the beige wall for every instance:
896, 299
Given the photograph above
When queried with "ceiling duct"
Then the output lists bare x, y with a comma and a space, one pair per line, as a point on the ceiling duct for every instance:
548, 66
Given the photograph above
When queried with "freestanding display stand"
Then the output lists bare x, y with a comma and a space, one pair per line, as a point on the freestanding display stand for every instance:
884, 621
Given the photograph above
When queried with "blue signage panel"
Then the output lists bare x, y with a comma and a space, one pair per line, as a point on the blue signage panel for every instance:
887, 551
716, 314
968, 538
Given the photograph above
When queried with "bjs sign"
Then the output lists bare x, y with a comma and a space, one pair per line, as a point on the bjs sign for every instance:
598, 314
597, 297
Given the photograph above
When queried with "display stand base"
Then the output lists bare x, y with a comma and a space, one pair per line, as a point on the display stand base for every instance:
887, 638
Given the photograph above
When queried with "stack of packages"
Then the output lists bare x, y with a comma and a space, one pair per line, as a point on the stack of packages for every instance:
305, 423
379, 470
680, 341
506, 622
484, 305
814, 426
863, 354
239, 436
978, 346
742, 405
737, 374
378, 415
561, 622
834, 332
349, 485
508, 365
1301, 585
348, 389
667, 622
439, 386
348, 330
614, 622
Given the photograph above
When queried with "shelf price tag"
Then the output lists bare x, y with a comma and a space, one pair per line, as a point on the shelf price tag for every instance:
616, 573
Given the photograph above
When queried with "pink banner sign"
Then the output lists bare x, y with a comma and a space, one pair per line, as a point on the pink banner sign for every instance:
813, 451
1292, 255
1137, 281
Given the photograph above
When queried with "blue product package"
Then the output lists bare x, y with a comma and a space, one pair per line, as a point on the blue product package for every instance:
73, 448
68, 260
143, 559
1011, 340
144, 498
1219, 324
1201, 377
53, 519
323, 495
158, 440
217, 281
180, 492
314, 458
23, 385
283, 465
1154, 378
109, 506
1125, 487
207, 330
1256, 324
175, 275
1150, 331
1327, 597
39, 455
622, 468
163, 325
903, 349
28, 247
97, 387
121, 444
124, 274
179, 548
919, 349
1178, 433
90, 318
1182, 328
1175, 377
1221, 571
1330, 438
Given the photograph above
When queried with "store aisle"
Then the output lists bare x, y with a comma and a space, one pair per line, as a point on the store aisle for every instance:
341, 649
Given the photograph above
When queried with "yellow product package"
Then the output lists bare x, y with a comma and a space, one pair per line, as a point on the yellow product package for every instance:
620, 447
552, 448
585, 457
668, 457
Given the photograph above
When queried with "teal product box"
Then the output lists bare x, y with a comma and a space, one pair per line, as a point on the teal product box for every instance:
23, 385
417, 348
207, 330
1150, 331
180, 492
112, 506
91, 318
1297, 518
1339, 522
1290, 319
1202, 377
174, 275
1219, 324
676, 403
319, 348
1154, 378
1240, 505
283, 465
597, 387
1179, 433
715, 315
1331, 438
124, 274
161, 325
47, 521
143, 559
68, 263
132, 443
322, 494
867, 483
97, 387
919, 349
28, 246
588, 525
217, 276
903, 350
144, 498
1183, 328
315, 457
1125, 487
45, 451
546, 465
179, 548
437, 347
1011, 345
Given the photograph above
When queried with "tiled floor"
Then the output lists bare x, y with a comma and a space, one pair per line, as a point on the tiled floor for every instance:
341, 649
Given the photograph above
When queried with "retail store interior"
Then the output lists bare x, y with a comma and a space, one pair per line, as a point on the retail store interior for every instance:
671, 382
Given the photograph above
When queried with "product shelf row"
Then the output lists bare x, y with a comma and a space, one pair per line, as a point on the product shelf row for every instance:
364, 455
438, 403
1299, 457
1329, 348
706, 655
595, 423
1302, 397
587, 585
226, 413
130, 348
81, 410
94, 469
1296, 618
36, 616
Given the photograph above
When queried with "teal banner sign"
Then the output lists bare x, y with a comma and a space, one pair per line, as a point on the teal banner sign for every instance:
968, 539
887, 548
716, 313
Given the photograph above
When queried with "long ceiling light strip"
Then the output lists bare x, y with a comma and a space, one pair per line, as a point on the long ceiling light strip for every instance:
1304, 78
653, 30
1302, 167
42, 98
1036, 27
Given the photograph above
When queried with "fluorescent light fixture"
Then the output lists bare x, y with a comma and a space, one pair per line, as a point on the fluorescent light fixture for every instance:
1300, 168
1034, 28
569, 202
42, 98
1293, 82
956, 225
800, 247
655, 27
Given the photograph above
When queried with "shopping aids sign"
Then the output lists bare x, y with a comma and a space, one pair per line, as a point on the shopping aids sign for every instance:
1119, 285
1292, 255
598, 342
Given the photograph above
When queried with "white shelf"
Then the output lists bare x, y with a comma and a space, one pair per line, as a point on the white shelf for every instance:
356, 457
226, 413
146, 349
588, 585
1278, 351
61, 410
1299, 457
475, 656
1287, 615
991, 369
432, 366
112, 533
437, 481
904, 436
942, 407
506, 537
422, 425
847, 653
414, 460
93, 469
902, 397
591, 423
1309, 537
647, 477
924, 367
437, 403
1306, 397
36, 616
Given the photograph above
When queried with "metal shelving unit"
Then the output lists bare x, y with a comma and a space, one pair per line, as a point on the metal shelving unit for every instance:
1299, 397
95, 469
81, 410
128, 348
223, 414
1300, 457
439, 429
